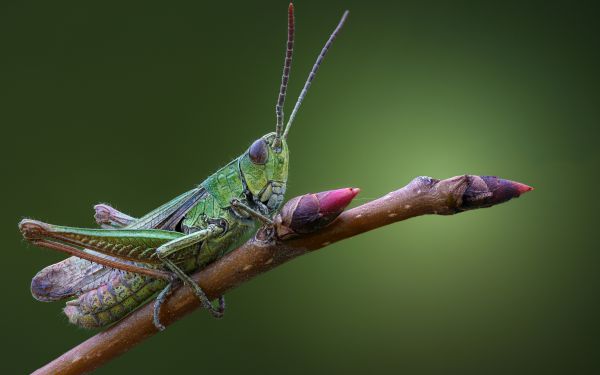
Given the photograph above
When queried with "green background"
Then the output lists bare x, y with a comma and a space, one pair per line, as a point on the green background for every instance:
131, 103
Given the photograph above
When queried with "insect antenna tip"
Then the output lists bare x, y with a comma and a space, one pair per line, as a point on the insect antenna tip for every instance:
287, 65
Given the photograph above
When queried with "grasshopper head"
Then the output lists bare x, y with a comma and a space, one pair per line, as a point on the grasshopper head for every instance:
265, 170
265, 164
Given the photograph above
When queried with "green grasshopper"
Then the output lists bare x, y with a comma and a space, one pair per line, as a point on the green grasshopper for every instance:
116, 269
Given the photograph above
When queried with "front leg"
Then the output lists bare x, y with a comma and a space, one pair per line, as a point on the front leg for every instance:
165, 251
255, 214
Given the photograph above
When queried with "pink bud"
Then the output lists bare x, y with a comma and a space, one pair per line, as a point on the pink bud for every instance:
311, 212
333, 201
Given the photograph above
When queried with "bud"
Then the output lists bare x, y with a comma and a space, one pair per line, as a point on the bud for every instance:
486, 191
311, 212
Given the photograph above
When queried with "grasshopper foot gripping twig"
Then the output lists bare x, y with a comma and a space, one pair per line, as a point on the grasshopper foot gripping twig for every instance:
160, 299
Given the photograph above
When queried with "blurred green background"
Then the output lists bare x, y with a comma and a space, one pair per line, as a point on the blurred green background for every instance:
131, 103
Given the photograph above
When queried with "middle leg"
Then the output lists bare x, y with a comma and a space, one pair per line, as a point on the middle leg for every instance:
164, 251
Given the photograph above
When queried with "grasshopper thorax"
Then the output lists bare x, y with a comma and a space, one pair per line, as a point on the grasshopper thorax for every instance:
264, 168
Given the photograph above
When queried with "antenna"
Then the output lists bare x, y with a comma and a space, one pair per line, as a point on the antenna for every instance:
313, 72
287, 65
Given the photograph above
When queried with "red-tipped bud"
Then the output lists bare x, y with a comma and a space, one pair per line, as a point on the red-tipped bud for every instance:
335, 201
521, 188
486, 191
311, 212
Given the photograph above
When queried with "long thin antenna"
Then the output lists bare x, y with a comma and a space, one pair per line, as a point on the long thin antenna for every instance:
313, 72
287, 65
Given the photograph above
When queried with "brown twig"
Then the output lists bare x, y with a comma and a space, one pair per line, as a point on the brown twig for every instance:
422, 196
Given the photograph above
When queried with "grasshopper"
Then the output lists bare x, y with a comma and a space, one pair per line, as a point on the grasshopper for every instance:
115, 269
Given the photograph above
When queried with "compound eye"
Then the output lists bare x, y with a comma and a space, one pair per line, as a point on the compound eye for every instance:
259, 152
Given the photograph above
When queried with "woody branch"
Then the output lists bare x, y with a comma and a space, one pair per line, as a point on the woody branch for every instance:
422, 196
